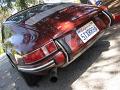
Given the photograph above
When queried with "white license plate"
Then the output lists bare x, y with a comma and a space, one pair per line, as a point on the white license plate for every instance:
87, 31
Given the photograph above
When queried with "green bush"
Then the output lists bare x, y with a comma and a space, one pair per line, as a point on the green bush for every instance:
83, 1
1, 50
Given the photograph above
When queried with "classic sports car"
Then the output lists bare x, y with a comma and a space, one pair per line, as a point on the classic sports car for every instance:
50, 36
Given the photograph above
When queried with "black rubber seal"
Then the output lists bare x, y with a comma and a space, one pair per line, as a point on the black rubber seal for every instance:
66, 48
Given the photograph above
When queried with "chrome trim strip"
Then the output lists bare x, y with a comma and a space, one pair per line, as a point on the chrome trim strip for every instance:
45, 51
101, 34
108, 18
36, 69
40, 48
33, 20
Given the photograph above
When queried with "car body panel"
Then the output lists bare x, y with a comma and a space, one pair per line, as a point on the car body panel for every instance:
23, 37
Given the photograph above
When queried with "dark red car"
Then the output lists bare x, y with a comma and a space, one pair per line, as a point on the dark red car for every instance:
50, 36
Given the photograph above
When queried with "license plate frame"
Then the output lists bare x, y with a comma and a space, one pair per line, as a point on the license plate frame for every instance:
87, 31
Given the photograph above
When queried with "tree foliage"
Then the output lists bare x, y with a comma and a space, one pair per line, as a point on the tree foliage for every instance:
9, 5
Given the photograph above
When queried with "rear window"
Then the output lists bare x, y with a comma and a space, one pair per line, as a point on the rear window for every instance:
23, 15
15, 36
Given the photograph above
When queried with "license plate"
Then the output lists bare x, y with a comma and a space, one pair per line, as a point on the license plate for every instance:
87, 31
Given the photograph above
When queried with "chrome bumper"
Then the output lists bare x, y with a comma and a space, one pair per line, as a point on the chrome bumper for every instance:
37, 69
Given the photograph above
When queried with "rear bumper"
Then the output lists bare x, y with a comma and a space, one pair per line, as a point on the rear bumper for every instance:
37, 69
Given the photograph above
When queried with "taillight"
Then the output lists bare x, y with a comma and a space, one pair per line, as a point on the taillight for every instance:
59, 58
104, 7
40, 53
116, 17
51, 47
34, 56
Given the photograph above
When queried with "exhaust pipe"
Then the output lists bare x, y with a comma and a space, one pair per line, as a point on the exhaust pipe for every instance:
53, 75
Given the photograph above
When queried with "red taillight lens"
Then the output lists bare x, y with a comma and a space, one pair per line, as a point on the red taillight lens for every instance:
40, 53
116, 18
51, 47
104, 7
74, 44
34, 56
59, 58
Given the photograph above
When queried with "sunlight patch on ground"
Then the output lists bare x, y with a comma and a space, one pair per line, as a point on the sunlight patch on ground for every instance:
113, 83
97, 78
104, 74
114, 49
111, 53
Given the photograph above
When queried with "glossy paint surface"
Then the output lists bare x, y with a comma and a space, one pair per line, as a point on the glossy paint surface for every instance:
62, 24
116, 17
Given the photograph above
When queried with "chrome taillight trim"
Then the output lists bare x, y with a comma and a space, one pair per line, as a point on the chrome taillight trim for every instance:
46, 55
45, 51
41, 46
108, 17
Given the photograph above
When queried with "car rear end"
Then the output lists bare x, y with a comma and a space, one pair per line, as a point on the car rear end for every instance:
26, 50
44, 58
89, 25
33, 50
